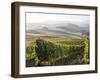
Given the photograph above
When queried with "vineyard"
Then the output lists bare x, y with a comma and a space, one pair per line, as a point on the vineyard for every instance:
48, 52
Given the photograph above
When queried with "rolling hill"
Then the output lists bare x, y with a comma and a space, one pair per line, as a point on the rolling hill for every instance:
61, 30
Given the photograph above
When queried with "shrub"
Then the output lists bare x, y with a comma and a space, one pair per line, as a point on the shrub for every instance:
49, 51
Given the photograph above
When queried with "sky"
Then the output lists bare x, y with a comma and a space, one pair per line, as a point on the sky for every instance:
42, 18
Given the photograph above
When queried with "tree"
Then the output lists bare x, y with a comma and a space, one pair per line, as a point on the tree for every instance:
86, 49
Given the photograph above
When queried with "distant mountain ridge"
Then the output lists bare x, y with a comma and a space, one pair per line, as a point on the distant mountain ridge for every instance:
57, 30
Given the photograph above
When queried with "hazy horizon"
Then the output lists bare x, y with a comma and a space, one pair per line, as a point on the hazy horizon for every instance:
57, 25
36, 19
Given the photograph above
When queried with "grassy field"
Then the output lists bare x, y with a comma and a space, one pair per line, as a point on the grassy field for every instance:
48, 51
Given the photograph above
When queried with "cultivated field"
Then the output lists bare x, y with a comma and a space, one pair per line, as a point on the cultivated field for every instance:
51, 51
